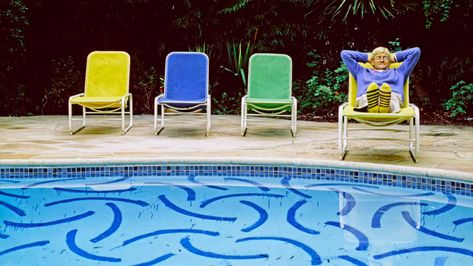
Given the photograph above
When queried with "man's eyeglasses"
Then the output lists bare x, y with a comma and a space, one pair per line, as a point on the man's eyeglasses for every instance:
381, 58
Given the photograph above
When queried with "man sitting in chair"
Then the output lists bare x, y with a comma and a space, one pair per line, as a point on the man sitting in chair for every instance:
380, 89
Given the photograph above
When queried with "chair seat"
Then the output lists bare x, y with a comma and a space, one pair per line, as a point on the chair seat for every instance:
404, 114
268, 101
97, 102
164, 100
269, 104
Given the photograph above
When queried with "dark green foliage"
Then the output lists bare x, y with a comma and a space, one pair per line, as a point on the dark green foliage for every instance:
227, 93
461, 102
13, 24
66, 80
436, 10
346, 9
325, 90
45, 44
145, 85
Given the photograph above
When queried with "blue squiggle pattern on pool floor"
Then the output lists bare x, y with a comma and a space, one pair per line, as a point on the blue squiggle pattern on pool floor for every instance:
230, 220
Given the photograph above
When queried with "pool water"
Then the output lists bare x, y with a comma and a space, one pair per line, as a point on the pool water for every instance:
233, 220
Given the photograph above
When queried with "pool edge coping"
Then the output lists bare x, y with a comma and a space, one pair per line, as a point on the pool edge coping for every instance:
356, 166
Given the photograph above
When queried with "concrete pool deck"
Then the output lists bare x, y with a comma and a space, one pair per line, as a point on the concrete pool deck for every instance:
40, 139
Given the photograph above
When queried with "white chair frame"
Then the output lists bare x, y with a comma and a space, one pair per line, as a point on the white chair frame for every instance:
245, 115
120, 110
181, 111
413, 136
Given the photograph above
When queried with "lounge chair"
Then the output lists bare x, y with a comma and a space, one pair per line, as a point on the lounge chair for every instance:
269, 90
106, 90
186, 87
409, 112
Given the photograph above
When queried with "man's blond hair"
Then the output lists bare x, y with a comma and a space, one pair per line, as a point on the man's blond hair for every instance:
379, 50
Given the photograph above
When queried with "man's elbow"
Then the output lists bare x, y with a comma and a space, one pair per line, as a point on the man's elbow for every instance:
416, 51
345, 55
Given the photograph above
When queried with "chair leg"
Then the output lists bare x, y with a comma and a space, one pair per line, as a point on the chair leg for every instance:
344, 138
74, 131
162, 120
244, 120
342, 132
417, 128
414, 134
130, 108
294, 118
155, 122
340, 136
412, 141
209, 112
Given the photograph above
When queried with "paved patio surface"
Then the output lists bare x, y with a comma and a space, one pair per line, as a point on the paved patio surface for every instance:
46, 138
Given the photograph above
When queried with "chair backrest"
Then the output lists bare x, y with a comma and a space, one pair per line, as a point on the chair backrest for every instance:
353, 86
186, 76
107, 74
270, 76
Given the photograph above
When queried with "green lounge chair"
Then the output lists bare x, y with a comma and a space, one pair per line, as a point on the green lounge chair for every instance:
269, 90
106, 88
409, 112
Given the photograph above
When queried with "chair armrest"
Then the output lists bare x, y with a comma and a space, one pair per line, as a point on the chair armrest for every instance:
124, 97
127, 95
157, 97
77, 95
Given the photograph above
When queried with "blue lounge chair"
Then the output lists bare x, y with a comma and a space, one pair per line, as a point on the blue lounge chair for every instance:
185, 87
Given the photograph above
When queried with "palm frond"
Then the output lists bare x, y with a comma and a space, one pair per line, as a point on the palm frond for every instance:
363, 8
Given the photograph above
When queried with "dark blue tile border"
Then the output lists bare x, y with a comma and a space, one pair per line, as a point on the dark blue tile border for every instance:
317, 173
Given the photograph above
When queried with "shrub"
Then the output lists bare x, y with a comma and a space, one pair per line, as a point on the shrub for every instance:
145, 85
66, 81
323, 93
461, 101
14, 23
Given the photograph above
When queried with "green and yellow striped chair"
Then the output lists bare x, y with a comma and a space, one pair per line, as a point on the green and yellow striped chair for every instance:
106, 89
409, 112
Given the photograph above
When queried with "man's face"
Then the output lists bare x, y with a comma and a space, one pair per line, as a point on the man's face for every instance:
380, 61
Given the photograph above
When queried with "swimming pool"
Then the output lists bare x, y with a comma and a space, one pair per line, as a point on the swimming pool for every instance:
231, 215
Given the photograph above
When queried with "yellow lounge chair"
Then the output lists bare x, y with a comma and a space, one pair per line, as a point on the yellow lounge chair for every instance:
408, 112
106, 90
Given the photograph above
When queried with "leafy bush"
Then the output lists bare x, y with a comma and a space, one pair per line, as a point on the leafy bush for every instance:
226, 103
66, 81
461, 101
323, 93
13, 54
230, 86
145, 85
436, 10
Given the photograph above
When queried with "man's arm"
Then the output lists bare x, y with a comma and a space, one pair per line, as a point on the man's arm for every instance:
408, 58
351, 59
